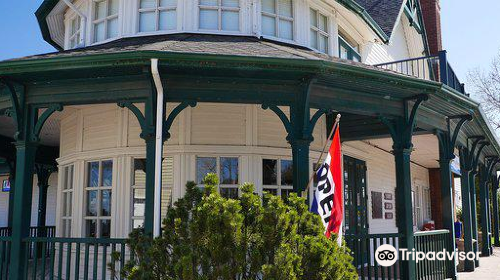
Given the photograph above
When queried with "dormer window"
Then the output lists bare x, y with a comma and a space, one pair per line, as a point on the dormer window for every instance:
348, 48
223, 15
277, 18
75, 32
319, 35
105, 23
157, 15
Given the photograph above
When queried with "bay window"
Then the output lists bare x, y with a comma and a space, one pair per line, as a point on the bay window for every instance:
67, 200
319, 35
277, 177
227, 169
277, 18
157, 15
219, 15
98, 192
105, 23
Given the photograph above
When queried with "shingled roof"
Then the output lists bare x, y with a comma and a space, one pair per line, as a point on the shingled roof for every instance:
384, 12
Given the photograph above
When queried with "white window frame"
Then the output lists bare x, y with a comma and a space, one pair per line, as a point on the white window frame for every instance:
319, 32
100, 188
217, 169
158, 9
277, 18
68, 187
77, 34
220, 9
104, 20
279, 186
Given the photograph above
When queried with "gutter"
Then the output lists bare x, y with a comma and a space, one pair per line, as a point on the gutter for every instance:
158, 146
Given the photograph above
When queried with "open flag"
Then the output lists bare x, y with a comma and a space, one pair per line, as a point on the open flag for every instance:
328, 199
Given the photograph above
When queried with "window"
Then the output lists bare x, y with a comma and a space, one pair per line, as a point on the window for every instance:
139, 189
67, 200
277, 177
227, 168
105, 22
277, 18
348, 49
98, 198
220, 15
319, 35
75, 32
157, 15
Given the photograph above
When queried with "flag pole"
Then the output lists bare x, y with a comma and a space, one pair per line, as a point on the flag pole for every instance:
334, 127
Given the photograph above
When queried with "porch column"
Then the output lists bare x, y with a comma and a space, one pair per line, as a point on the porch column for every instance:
483, 198
473, 213
494, 197
43, 174
12, 180
401, 130
447, 140
466, 213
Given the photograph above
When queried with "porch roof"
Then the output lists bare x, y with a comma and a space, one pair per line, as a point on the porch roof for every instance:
257, 70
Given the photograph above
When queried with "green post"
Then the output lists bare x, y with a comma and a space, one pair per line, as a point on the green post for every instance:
496, 233
300, 141
473, 213
12, 180
43, 174
483, 198
466, 213
150, 185
25, 165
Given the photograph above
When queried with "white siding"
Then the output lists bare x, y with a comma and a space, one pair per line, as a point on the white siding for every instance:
397, 49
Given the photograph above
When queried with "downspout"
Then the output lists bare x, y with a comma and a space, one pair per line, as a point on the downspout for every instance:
82, 15
158, 147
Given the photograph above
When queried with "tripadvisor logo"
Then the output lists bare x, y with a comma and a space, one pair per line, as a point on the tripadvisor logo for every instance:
386, 255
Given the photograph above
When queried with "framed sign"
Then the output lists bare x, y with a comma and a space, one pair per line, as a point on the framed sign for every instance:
376, 205
389, 216
6, 185
388, 196
388, 206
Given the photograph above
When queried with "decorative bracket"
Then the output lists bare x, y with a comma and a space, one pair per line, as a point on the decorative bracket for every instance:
171, 117
491, 162
447, 139
42, 119
481, 146
146, 130
16, 111
284, 119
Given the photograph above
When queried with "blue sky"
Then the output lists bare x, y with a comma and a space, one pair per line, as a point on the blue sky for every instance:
470, 32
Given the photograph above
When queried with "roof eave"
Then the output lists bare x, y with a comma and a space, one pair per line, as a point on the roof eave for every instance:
41, 15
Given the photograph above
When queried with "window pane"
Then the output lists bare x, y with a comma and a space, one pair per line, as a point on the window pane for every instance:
313, 18
112, 28
314, 39
106, 203
91, 203
268, 6
168, 3
139, 202
93, 174
271, 191
230, 21
113, 7
205, 165
343, 53
229, 193
139, 176
105, 228
268, 26
230, 3
147, 21
168, 20
323, 23
323, 44
269, 172
107, 173
286, 173
91, 228
148, 4
99, 32
208, 19
285, 8
100, 10
229, 171
208, 2
286, 29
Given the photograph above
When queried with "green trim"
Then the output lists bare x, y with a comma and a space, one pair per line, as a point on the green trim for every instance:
41, 15
358, 9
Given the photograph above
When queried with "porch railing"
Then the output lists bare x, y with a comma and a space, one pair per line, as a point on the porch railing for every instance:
432, 241
48, 231
363, 249
433, 68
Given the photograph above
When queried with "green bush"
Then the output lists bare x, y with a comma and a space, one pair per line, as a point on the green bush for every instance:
206, 236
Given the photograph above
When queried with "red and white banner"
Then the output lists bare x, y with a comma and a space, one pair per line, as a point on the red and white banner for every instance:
328, 199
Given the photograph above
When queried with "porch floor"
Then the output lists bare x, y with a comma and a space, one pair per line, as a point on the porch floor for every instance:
488, 269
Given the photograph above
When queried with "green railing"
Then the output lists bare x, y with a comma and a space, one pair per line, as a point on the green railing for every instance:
363, 249
432, 241
4, 257
47, 231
